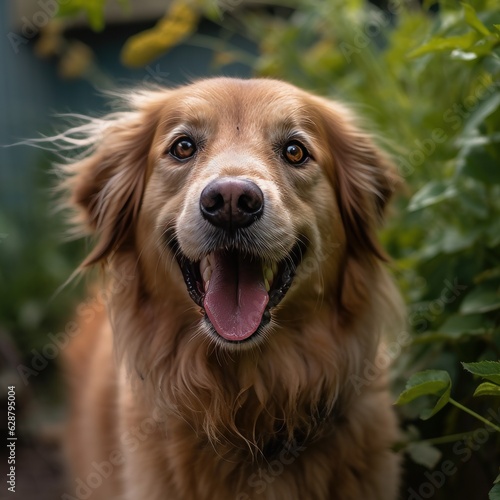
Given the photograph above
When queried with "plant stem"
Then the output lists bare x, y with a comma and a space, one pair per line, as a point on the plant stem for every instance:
474, 414
448, 439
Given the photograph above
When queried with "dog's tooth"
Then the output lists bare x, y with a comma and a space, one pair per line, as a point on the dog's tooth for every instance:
269, 275
266, 284
203, 265
207, 274
274, 267
265, 269
206, 285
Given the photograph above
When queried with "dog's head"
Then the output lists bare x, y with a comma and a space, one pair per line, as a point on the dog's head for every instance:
251, 199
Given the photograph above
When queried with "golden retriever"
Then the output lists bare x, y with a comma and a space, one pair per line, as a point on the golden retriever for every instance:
235, 222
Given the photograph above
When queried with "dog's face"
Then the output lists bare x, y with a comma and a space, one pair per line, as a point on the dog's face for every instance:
238, 194
259, 192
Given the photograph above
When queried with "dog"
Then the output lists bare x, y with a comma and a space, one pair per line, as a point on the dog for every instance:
235, 223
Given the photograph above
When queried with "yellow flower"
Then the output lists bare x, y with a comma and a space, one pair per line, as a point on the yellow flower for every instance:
179, 22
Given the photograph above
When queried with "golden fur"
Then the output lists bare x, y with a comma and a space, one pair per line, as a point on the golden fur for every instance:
163, 408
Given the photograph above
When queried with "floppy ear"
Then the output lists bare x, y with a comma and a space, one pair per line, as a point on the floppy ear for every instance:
364, 177
107, 186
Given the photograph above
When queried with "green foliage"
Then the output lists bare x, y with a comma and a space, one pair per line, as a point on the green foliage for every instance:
33, 266
490, 370
429, 382
423, 453
487, 389
495, 492
92, 9
438, 382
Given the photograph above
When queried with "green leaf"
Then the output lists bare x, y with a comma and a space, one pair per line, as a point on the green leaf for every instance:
476, 207
424, 454
491, 64
94, 9
95, 14
466, 143
455, 239
429, 382
433, 192
490, 370
438, 44
441, 402
494, 492
479, 164
487, 389
473, 21
457, 325
483, 298
481, 111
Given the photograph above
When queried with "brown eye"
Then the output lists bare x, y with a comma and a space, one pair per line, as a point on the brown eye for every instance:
295, 153
183, 148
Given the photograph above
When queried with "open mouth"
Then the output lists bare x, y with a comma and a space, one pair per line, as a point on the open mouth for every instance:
237, 291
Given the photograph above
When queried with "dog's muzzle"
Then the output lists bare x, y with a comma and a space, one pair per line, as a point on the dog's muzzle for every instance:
235, 286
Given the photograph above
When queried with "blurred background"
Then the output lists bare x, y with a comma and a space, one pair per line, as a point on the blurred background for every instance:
426, 78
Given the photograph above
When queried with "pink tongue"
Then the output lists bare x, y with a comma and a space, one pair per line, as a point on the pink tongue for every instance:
236, 297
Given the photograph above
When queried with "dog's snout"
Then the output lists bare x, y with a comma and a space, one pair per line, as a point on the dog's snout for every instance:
231, 203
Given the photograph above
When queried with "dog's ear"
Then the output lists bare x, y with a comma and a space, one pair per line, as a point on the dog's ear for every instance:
363, 175
106, 186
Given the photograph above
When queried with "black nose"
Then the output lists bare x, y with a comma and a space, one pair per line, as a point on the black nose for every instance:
231, 203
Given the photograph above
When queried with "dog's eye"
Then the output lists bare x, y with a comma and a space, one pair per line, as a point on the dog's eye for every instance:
183, 148
295, 153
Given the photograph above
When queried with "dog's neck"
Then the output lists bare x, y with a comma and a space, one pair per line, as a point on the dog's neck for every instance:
242, 405
321, 425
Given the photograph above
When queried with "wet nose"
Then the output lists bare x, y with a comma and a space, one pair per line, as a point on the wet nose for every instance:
231, 203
